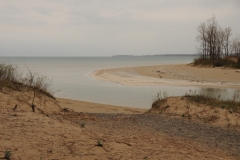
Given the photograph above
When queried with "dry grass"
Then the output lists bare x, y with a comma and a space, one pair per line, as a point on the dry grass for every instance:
231, 105
30, 88
231, 61
11, 77
224, 113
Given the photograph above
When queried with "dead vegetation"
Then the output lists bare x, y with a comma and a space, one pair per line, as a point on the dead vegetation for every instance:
200, 107
30, 89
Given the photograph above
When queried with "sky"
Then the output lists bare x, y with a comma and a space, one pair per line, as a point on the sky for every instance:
108, 27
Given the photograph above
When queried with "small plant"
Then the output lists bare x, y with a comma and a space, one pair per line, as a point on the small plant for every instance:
236, 96
183, 115
228, 125
216, 111
99, 143
7, 154
82, 125
160, 96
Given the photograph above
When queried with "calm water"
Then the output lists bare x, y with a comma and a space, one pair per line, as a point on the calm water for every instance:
70, 78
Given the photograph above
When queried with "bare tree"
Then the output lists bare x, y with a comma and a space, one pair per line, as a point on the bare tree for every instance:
235, 46
214, 42
202, 39
227, 33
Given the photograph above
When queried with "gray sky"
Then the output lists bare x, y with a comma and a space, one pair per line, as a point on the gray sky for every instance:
108, 27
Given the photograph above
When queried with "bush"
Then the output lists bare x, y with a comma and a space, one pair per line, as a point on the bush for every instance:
8, 72
10, 75
238, 64
222, 62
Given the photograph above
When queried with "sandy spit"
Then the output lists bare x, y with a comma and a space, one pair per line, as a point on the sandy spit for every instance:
171, 75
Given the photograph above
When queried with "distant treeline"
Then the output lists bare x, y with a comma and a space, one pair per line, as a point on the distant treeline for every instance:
215, 42
155, 55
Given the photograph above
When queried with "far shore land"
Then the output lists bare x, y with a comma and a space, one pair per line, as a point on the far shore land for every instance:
172, 75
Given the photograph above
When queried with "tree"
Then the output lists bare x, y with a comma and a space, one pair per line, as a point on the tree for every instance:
214, 42
227, 33
235, 46
202, 38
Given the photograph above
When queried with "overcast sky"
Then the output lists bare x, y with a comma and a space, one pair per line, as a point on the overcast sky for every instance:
108, 27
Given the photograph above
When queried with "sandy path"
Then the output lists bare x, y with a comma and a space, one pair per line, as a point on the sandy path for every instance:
179, 75
151, 136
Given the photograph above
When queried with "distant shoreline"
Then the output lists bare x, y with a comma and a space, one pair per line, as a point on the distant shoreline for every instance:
171, 75
155, 55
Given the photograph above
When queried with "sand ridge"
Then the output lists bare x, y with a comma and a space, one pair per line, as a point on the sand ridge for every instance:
172, 75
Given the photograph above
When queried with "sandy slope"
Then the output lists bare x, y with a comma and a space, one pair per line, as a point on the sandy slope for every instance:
180, 75
59, 135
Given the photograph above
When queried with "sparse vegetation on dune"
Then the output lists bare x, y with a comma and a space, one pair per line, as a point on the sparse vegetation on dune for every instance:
201, 107
11, 77
27, 89
231, 105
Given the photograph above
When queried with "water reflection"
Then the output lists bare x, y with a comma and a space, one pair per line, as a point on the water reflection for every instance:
70, 75
218, 93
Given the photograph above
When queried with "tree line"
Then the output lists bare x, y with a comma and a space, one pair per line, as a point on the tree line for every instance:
215, 42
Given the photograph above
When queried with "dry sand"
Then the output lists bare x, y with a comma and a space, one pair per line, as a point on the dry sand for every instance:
125, 133
59, 135
172, 75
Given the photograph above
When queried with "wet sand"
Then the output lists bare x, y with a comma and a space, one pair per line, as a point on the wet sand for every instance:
172, 75
90, 107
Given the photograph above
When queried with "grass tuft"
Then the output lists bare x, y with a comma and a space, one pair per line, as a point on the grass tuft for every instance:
7, 155
82, 125
99, 143
12, 78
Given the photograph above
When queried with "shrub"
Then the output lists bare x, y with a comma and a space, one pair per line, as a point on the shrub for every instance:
10, 75
230, 61
7, 154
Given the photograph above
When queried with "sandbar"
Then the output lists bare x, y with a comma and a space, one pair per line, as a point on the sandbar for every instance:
172, 75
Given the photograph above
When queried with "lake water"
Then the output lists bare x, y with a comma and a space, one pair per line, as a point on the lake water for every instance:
70, 78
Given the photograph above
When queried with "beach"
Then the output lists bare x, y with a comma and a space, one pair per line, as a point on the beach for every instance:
119, 80
173, 129
172, 75
71, 129
90, 107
